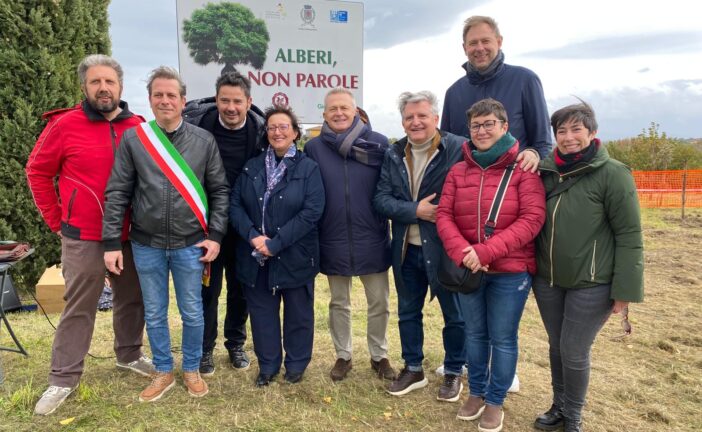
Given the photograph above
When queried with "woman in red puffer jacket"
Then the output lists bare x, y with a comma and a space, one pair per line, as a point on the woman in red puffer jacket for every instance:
492, 313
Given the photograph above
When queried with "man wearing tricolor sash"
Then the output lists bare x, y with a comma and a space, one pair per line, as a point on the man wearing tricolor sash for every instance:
171, 174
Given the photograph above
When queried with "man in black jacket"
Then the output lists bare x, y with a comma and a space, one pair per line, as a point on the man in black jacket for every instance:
237, 125
171, 175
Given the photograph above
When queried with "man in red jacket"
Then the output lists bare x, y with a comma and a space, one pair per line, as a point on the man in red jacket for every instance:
78, 146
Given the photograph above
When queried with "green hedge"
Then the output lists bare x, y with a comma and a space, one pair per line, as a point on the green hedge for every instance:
41, 43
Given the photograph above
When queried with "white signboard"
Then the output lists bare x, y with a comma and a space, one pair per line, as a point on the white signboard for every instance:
292, 51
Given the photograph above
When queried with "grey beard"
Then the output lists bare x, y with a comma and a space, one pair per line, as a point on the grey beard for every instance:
103, 108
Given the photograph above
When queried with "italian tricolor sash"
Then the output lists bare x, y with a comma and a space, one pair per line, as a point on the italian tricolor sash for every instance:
175, 168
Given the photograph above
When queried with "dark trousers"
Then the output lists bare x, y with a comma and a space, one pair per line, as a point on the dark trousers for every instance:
298, 325
83, 268
572, 318
411, 295
236, 313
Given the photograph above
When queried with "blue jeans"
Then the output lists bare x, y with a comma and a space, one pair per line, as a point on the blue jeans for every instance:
492, 316
410, 302
152, 266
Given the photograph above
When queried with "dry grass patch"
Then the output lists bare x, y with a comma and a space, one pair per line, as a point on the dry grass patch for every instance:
649, 381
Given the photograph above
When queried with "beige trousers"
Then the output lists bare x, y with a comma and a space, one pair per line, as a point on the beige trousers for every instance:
377, 289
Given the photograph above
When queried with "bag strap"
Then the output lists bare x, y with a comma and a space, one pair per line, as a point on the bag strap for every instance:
563, 186
491, 221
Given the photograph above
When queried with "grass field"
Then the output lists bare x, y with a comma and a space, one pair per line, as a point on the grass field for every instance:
649, 381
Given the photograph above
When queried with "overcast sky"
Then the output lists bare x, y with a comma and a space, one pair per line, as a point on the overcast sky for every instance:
636, 62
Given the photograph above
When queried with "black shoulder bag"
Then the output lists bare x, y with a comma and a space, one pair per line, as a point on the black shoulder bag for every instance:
461, 279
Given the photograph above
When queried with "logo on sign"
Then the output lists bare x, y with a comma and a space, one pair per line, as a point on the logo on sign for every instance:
338, 16
280, 99
308, 15
279, 12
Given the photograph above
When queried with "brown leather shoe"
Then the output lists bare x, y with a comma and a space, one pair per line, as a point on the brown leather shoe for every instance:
383, 369
406, 382
162, 382
197, 387
340, 369
492, 418
471, 409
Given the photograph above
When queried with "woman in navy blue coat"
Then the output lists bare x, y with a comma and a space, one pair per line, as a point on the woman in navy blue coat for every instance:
276, 204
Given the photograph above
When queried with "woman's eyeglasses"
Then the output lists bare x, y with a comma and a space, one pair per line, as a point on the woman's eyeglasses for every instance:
273, 128
488, 126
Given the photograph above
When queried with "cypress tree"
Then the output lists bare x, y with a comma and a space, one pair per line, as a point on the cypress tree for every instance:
41, 44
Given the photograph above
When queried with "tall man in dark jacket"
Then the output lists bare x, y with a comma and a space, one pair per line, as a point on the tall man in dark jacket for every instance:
78, 146
487, 76
171, 175
354, 239
517, 88
408, 192
237, 126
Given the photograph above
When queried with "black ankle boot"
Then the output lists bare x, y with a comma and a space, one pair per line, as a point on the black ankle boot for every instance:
550, 420
572, 425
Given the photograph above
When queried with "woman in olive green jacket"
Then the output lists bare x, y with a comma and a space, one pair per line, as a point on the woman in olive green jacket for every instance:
589, 256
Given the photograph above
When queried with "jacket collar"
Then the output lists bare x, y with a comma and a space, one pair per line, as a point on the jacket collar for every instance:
400, 147
495, 68
601, 157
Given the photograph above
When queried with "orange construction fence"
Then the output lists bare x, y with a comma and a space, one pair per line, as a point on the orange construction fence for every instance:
664, 189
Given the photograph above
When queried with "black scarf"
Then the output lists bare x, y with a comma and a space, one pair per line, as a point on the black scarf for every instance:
566, 162
476, 76
352, 143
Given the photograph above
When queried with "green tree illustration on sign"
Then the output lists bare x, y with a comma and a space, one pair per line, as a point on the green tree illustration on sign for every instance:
226, 33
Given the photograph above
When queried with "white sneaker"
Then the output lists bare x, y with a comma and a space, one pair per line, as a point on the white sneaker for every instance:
440, 370
142, 366
52, 398
514, 388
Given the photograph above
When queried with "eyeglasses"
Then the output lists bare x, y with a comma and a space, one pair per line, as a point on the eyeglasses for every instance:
273, 128
488, 126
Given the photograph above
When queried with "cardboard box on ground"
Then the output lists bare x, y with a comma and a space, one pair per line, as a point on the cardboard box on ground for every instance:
50, 290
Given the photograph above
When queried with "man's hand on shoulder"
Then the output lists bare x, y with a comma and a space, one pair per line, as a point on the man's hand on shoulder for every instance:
528, 160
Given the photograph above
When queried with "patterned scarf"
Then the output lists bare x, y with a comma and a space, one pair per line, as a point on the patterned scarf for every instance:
274, 174
565, 162
352, 143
